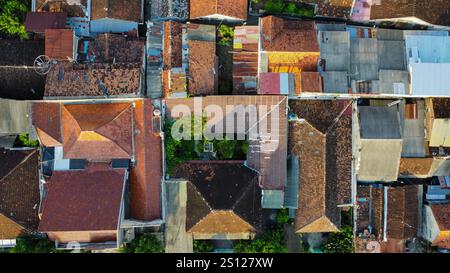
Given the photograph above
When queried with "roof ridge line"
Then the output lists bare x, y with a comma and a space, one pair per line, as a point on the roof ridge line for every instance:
17, 166
336, 120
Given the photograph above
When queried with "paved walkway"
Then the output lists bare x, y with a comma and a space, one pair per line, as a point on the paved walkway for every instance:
177, 240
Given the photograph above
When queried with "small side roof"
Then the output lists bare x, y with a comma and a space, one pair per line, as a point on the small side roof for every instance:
59, 43
40, 21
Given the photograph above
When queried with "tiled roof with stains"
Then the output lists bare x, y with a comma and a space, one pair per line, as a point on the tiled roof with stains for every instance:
310, 82
268, 159
432, 11
72, 8
332, 8
145, 177
230, 8
216, 206
85, 200
129, 10
411, 166
173, 44
202, 78
321, 138
441, 213
88, 131
19, 191
174, 9
80, 80
288, 35
116, 48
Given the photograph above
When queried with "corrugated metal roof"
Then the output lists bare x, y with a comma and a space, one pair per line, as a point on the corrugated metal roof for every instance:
40, 21
272, 199
430, 79
440, 134
378, 122
428, 48
59, 43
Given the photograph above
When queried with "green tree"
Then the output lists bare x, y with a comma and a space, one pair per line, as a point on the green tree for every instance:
203, 246
226, 35
270, 242
291, 8
340, 242
25, 141
144, 243
33, 244
12, 17
274, 6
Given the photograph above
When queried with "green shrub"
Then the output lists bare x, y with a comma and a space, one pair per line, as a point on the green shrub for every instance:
270, 242
340, 242
24, 141
33, 244
291, 8
283, 217
225, 35
203, 246
12, 17
144, 243
274, 6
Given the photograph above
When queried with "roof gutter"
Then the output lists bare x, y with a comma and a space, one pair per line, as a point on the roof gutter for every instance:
385, 212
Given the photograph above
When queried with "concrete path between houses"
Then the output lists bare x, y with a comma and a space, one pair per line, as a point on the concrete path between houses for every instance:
177, 239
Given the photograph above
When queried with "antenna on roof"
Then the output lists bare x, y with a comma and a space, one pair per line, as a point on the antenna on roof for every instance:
43, 64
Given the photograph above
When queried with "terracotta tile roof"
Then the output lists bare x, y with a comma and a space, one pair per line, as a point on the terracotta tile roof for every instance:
415, 166
173, 44
231, 8
89, 131
271, 164
19, 190
441, 213
433, 11
59, 43
73, 80
202, 68
363, 214
46, 119
129, 10
145, 177
332, 8
40, 21
87, 200
10, 229
323, 137
403, 209
216, 206
108, 48
288, 35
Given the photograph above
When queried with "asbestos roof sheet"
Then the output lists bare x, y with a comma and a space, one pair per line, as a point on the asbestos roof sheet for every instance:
379, 122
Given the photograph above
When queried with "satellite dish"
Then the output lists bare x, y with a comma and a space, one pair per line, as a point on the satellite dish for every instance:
43, 64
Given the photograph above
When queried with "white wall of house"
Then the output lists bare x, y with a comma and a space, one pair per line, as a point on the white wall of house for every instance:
430, 228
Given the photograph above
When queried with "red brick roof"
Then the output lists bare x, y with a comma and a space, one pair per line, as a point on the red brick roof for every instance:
40, 21
59, 43
288, 35
145, 178
87, 200
231, 8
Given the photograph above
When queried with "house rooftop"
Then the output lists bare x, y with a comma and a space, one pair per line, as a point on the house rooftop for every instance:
87, 80
85, 200
59, 44
169, 9
128, 10
288, 35
86, 131
216, 206
334, 8
233, 9
432, 11
40, 21
116, 48
19, 192
73, 8
379, 122
321, 139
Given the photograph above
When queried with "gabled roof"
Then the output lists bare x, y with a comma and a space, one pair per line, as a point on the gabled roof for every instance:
40, 21
129, 10
214, 205
279, 34
19, 191
80, 80
236, 9
86, 200
86, 131
321, 139
432, 11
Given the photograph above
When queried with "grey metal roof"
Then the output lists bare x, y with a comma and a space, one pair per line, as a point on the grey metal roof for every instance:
391, 82
291, 190
391, 55
335, 49
14, 117
364, 59
380, 122
335, 82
